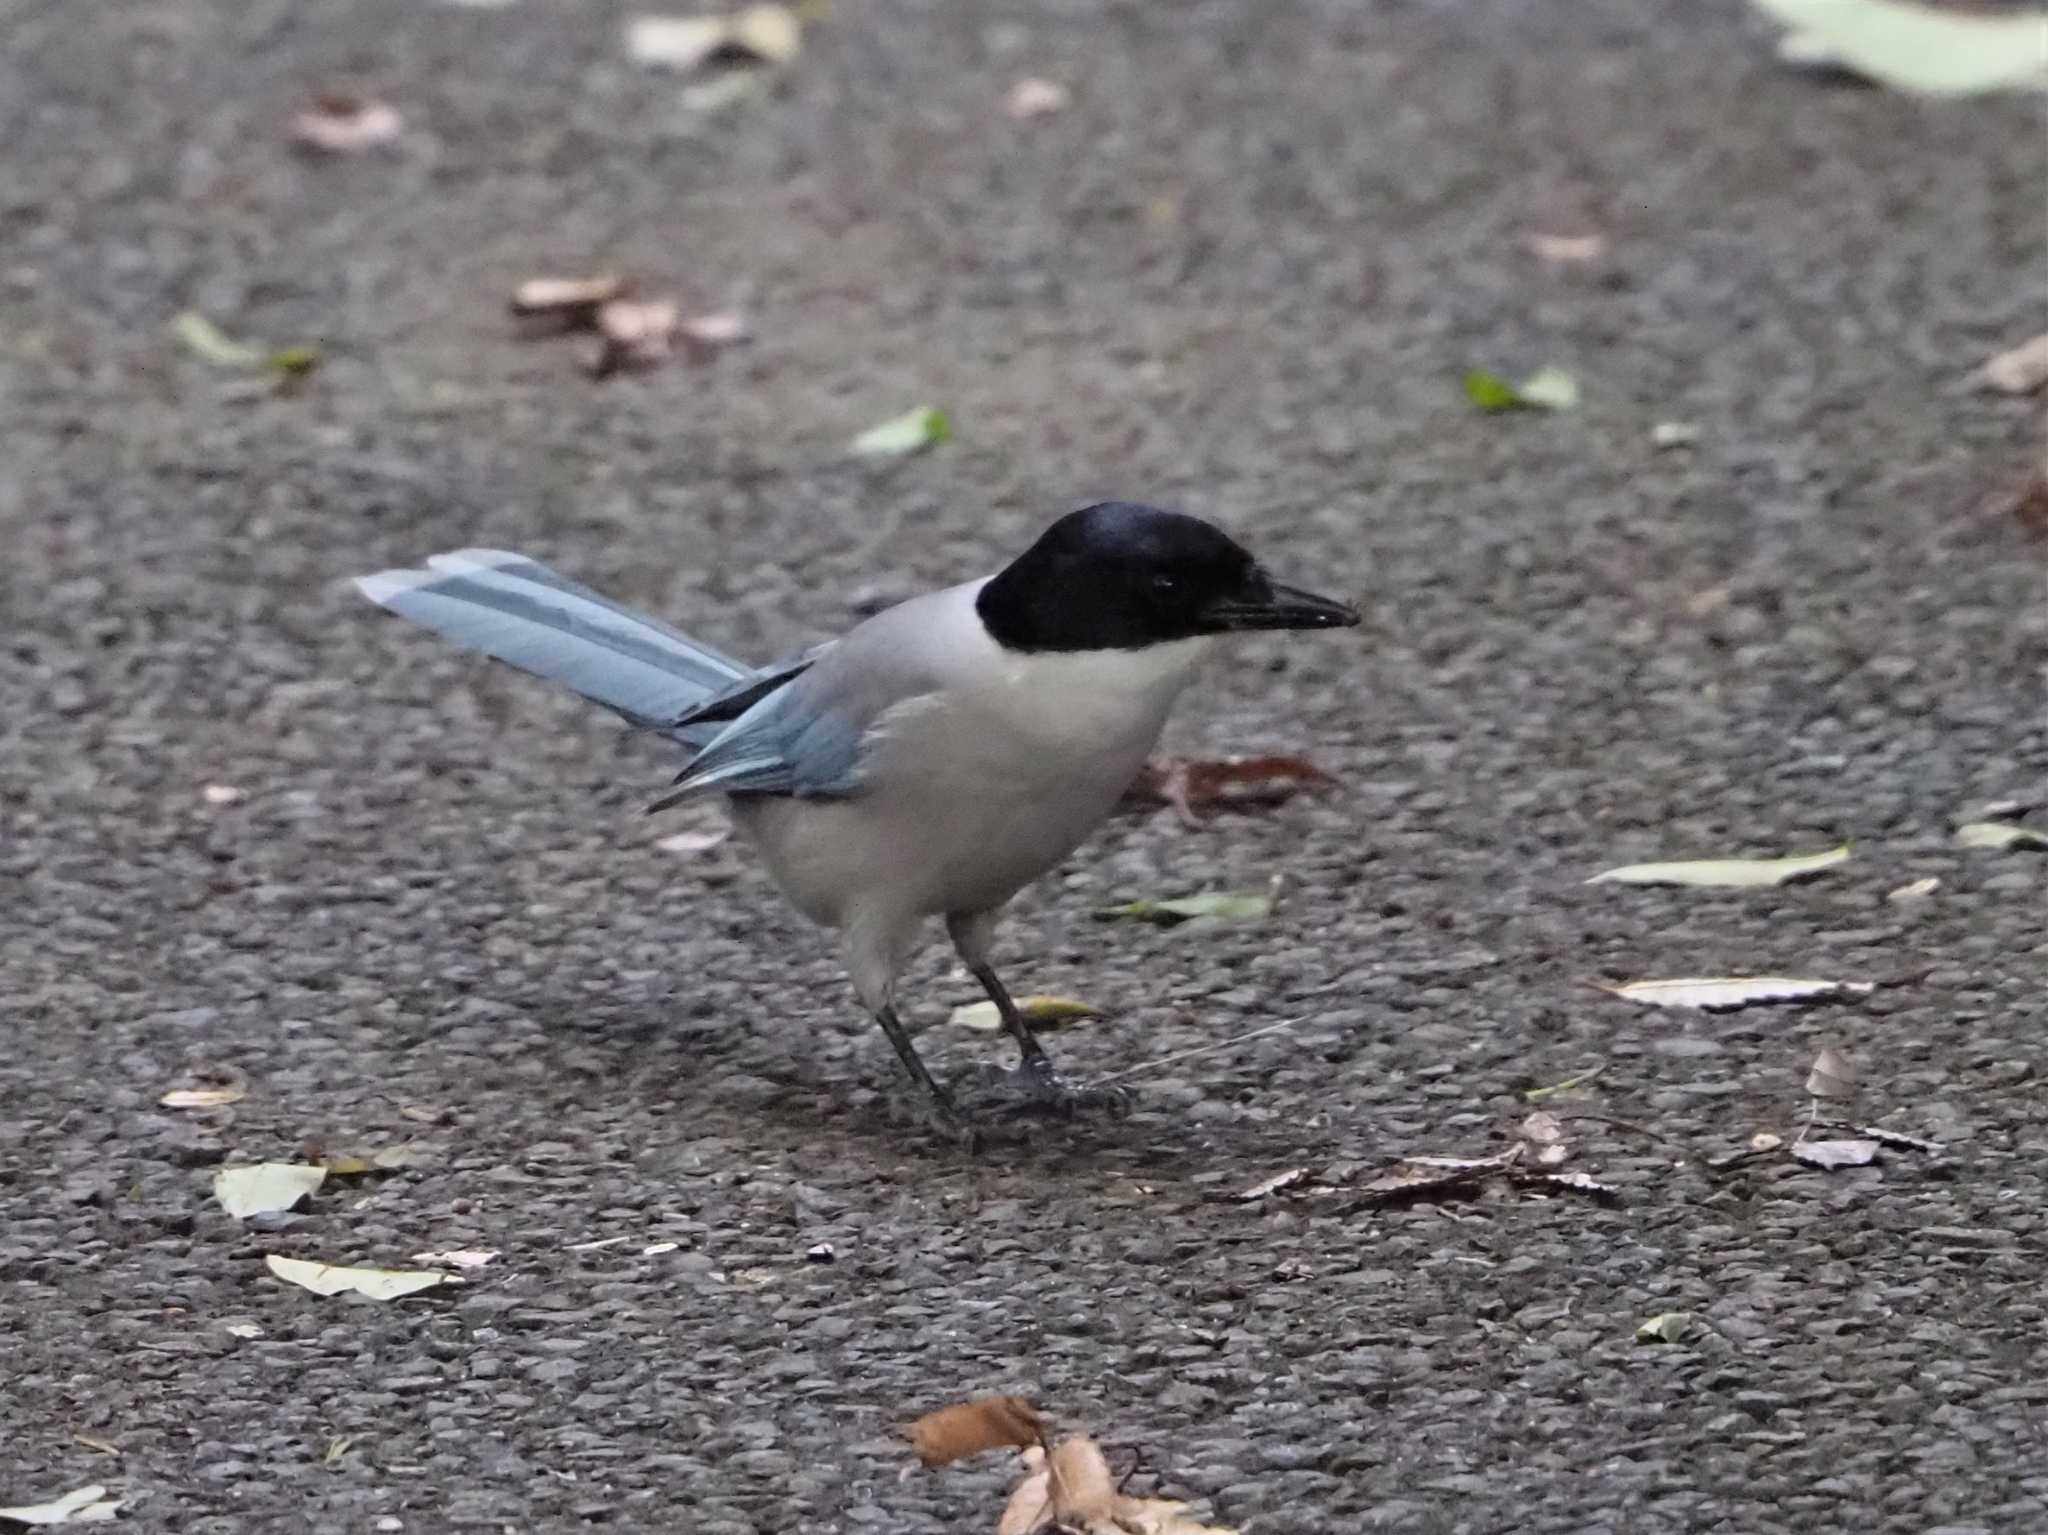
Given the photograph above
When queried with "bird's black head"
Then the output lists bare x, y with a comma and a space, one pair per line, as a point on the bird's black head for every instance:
1118, 576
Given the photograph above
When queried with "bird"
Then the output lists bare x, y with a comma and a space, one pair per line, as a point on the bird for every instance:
932, 761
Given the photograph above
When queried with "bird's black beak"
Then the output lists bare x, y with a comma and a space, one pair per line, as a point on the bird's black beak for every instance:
1266, 604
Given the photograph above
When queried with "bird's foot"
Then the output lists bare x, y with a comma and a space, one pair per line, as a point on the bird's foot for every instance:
1039, 1092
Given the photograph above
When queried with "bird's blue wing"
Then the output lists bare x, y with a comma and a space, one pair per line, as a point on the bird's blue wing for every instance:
789, 742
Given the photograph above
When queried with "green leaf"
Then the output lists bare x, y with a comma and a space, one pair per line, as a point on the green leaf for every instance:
1219, 906
2000, 834
910, 432
293, 361
1489, 391
1045, 1011
212, 343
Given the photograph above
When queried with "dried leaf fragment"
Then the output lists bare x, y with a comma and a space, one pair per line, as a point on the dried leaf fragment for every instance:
694, 841
1035, 98
1191, 784
638, 333
2019, 371
338, 124
1833, 1075
1030, 1504
202, 1097
1217, 906
2000, 834
1274, 1184
1833, 1154
1665, 1327
911, 432
1919, 890
1050, 1011
458, 1257
222, 794
771, 34
573, 301
264, 1188
82, 1505
1674, 434
1542, 1128
1731, 873
1933, 50
1568, 250
332, 1279
212, 344
676, 42
1726, 993
968, 1428
1083, 1492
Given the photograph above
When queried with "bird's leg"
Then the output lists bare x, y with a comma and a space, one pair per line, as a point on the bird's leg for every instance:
946, 1111
1046, 1091
1031, 1054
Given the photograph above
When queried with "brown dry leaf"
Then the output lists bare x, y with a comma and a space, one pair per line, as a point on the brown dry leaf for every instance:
339, 124
570, 302
1030, 1505
1083, 1493
968, 1428
2019, 371
1035, 98
1833, 1075
1568, 250
1190, 785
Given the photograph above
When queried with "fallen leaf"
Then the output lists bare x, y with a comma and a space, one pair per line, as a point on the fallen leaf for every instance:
676, 42
1191, 784
1030, 1505
1219, 906
214, 345
347, 125
1898, 1139
1082, 1491
968, 1428
1833, 1154
459, 1257
694, 841
1546, 389
1729, 873
1674, 434
1726, 993
222, 794
708, 332
1048, 1011
264, 1188
1035, 98
202, 1097
1922, 48
1832, 1076
331, 1279
84, 1505
1274, 1184
1763, 1140
1568, 250
769, 33
386, 1159
242, 1330
571, 301
910, 432
1919, 890
2000, 834
2019, 371
656, 1249
1542, 1128
1665, 1327
1161, 1516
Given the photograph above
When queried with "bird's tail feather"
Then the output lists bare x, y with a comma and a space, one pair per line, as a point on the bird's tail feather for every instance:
525, 615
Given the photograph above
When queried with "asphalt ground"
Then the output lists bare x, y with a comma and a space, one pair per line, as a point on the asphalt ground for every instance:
1241, 273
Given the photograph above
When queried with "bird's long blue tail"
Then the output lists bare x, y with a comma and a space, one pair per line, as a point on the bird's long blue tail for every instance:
522, 613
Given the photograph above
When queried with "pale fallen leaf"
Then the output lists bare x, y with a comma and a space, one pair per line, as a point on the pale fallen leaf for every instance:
263, 1188
1556, 1154
1726, 993
332, 1279
694, 841
968, 1428
2019, 371
1546, 389
2000, 834
1568, 250
676, 42
1919, 890
1730, 873
1049, 1011
243, 1330
1764, 1140
1274, 1184
1542, 1128
459, 1257
1035, 98
223, 793
771, 34
347, 125
1161, 1516
1833, 1154
1936, 51
1833, 1075
83, 1505
637, 333
708, 332
1083, 1493
656, 1249
1674, 434
214, 345
202, 1097
910, 432
1217, 906
573, 301
1030, 1505
1665, 1327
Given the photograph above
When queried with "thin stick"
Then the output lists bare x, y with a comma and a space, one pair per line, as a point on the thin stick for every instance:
1181, 1055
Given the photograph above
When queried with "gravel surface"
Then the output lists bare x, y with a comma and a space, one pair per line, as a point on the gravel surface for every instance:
1241, 273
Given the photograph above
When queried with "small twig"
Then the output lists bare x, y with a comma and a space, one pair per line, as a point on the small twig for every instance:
1181, 1055
1812, 1113
1626, 1124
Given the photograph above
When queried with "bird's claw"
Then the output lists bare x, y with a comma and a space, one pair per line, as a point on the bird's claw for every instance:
1037, 1091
